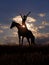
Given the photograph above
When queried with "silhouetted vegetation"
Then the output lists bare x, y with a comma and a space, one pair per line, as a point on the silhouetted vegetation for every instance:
22, 55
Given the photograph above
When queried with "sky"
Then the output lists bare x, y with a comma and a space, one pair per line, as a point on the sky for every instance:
37, 21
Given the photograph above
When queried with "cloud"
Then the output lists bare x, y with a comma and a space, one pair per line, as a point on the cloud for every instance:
31, 19
42, 14
1, 31
4, 26
18, 19
42, 38
41, 27
45, 23
43, 35
32, 27
13, 40
0, 24
15, 34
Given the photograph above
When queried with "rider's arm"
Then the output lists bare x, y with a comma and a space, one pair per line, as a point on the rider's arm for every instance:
21, 15
28, 14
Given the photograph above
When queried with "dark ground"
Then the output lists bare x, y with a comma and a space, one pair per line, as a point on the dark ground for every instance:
24, 55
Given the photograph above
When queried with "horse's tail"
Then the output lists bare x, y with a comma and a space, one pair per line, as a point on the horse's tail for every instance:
32, 37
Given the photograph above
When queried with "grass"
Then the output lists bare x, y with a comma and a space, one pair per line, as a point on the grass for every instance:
22, 55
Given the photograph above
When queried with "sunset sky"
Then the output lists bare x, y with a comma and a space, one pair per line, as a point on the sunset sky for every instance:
37, 21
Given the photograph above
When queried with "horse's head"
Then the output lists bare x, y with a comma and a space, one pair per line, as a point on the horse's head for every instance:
12, 25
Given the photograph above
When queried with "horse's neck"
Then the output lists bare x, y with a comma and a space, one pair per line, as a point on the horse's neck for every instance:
18, 26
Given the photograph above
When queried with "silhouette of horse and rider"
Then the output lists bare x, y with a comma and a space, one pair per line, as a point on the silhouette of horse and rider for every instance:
24, 19
23, 31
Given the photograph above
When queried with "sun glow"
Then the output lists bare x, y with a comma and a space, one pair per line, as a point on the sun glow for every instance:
23, 26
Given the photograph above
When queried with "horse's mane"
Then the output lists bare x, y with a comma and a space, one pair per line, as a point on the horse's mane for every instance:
19, 26
16, 23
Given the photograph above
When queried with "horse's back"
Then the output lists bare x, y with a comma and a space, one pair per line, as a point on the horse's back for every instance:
29, 33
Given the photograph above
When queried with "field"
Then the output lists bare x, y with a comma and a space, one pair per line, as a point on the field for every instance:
24, 55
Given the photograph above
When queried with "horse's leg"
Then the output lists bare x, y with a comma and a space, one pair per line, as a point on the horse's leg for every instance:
33, 40
22, 40
28, 41
19, 39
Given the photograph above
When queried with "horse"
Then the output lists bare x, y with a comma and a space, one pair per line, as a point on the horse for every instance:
23, 32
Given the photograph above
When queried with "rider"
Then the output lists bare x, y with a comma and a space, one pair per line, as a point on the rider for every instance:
24, 19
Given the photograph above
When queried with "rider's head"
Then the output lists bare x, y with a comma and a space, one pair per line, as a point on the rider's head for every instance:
24, 16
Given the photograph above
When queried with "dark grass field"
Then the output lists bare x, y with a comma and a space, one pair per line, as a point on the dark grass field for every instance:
24, 55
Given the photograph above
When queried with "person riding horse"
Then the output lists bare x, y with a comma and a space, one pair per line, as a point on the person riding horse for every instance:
23, 33
24, 19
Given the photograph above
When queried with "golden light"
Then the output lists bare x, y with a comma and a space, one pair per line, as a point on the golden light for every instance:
1, 31
45, 23
31, 19
28, 26
41, 27
23, 26
42, 14
18, 19
4, 26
